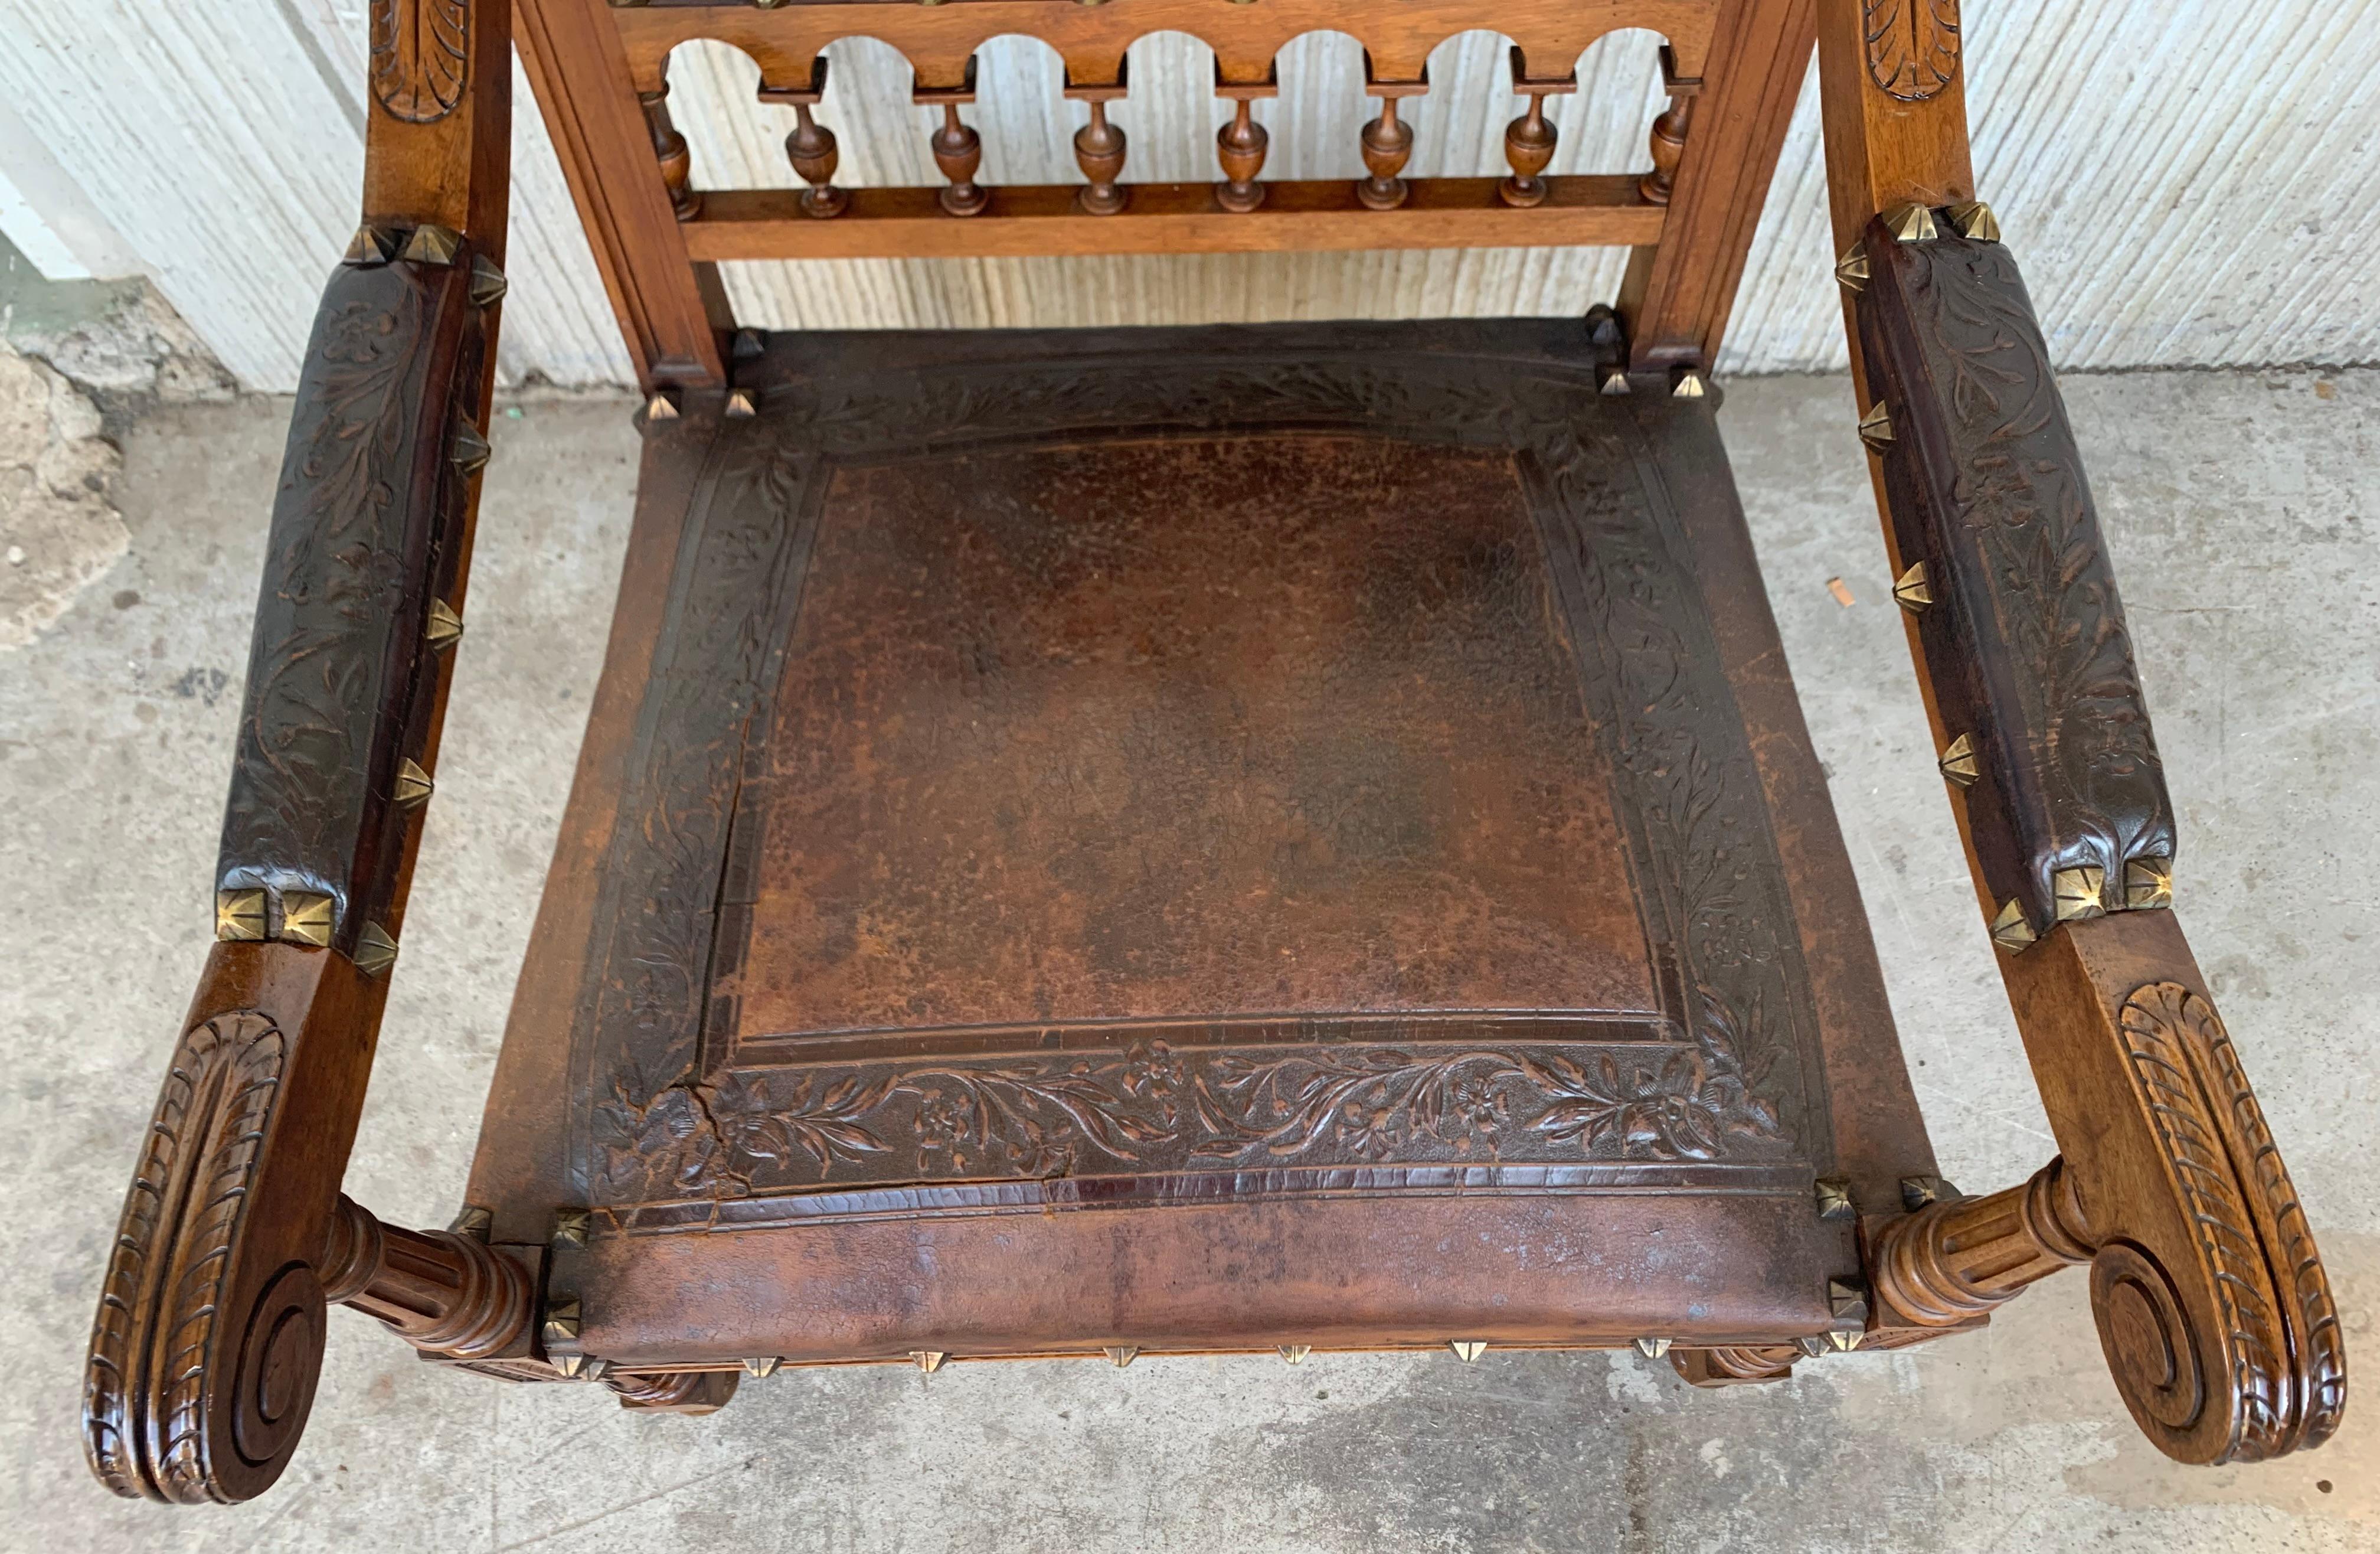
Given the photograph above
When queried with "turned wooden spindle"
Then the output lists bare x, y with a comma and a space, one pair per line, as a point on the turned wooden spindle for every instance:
669, 149
1388, 144
445, 1292
812, 146
1240, 145
1668, 137
1099, 147
673, 1391
1954, 1260
958, 150
1733, 1365
1529, 139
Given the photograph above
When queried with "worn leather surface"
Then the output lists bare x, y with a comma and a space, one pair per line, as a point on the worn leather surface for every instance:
1148, 730
1167, 772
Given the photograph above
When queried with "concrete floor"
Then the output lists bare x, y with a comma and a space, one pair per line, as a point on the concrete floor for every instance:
2245, 516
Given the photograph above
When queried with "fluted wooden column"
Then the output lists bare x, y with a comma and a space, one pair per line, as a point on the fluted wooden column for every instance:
443, 1291
1955, 1260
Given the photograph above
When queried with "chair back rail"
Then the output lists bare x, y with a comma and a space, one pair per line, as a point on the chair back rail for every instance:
602, 71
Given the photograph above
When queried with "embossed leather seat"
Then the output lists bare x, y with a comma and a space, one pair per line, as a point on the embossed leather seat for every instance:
1274, 837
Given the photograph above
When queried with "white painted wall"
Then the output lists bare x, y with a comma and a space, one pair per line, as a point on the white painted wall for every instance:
2185, 181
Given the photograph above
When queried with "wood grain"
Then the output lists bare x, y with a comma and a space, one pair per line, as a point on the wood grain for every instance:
1171, 218
938, 39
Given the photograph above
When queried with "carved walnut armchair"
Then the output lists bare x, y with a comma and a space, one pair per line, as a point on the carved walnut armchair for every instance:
1105, 842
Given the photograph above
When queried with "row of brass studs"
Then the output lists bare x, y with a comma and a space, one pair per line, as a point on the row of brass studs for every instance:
1833, 1195
1847, 1296
1685, 382
1846, 1301
2077, 893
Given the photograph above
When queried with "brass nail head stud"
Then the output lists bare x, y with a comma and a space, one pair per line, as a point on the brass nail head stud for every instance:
1613, 378
740, 405
1875, 428
1652, 1348
1960, 768
929, 1360
661, 406
488, 282
563, 1323
445, 626
371, 245
1973, 219
2077, 891
1121, 1354
1468, 1350
432, 244
1911, 592
239, 915
307, 918
1912, 223
1850, 271
1833, 1195
375, 951
1916, 1192
476, 1220
570, 1227
1689, 385
2148, 884
413, 785
764, 1364
1295, 1354
2010, 931
471, 450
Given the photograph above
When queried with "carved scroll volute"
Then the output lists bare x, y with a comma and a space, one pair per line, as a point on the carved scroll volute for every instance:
209, 1338
2211, 1301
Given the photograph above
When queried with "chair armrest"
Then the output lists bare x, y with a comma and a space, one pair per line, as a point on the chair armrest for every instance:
204, 1355
2212, 1304
355, 612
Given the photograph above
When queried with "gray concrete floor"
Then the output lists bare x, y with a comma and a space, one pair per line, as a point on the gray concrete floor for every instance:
2245, 516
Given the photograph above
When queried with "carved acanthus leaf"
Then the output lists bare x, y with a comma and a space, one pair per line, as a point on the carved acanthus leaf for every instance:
2284, 1367
1912, 46
420, 58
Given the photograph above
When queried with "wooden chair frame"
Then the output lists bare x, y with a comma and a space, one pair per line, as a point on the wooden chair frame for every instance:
2210, 1298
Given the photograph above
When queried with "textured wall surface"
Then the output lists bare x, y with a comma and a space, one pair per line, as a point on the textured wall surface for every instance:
2182, 179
